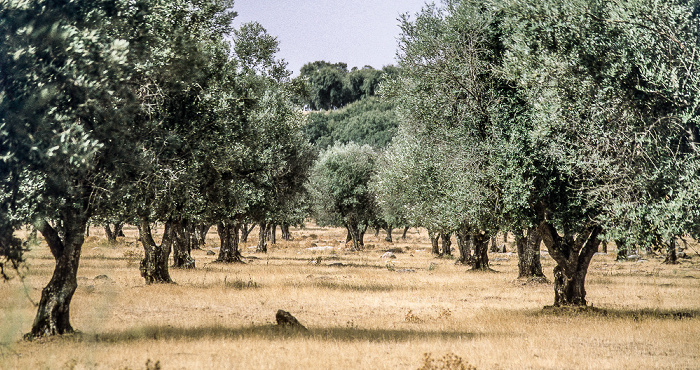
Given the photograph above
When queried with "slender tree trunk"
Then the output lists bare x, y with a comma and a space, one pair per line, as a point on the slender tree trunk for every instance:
154, 266
529, 265
119, 229
262, 238
405, 230
348, 237
446, 243
53, 313
245, 231
464, 243
671, 256
87, 229
182, 257
573, 256
481, 249
228, 233
111, 237
434, 242
273, 234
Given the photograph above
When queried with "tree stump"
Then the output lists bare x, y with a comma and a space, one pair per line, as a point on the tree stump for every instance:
286, 320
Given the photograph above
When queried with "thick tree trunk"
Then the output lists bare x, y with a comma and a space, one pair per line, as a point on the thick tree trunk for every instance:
464, 243
481, 249
182, 248
434, 242
285, 232
356, 235
228, 233
262, 238
446, 243
53, 313
671, 256
621, 250
405, 230
389, 238
154, 266
529, 265
573, 256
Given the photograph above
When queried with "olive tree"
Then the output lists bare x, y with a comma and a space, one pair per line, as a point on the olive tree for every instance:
339, 189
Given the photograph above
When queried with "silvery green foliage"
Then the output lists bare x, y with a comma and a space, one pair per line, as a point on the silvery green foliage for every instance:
580, 113
338, 185
611, 90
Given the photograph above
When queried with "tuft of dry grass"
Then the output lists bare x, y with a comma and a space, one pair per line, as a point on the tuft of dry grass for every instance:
362, 312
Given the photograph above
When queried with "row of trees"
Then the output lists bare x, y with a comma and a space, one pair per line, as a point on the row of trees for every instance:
141, 111
332, 86
563, 122
574, 120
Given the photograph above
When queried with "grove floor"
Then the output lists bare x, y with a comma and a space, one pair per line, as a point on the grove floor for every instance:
362, 311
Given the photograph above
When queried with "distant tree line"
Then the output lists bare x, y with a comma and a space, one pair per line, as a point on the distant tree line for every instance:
332, 86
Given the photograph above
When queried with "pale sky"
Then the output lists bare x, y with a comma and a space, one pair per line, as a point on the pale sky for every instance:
356, 32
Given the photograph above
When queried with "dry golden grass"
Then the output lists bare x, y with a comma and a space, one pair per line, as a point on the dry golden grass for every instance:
369, 313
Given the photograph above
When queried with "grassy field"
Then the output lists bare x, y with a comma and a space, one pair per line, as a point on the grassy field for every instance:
362, 311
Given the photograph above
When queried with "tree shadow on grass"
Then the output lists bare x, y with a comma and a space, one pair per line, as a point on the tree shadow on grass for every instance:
636, 315
270, 332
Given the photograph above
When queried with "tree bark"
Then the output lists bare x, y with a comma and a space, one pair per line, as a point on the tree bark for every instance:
481, 249
154, 266
671, 256
356, 235
53, 313
434, 242
285, 232
464, 243
245, 231
273, 234
405, 230
573, 256
111, 238
182, 248
262, 238
446, 243
228, 233
389, 238
529, 264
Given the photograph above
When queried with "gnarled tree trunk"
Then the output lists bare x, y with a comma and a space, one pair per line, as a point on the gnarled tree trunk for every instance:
389, 238
481, 249
245, 231
446, 243
464, 243
53, 313
573, 256
228, 233
356, 234
529, 265
434, 242
286, 235
182, 248
154, 266
671, 256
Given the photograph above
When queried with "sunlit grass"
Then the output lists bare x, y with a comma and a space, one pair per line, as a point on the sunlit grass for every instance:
368, 312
